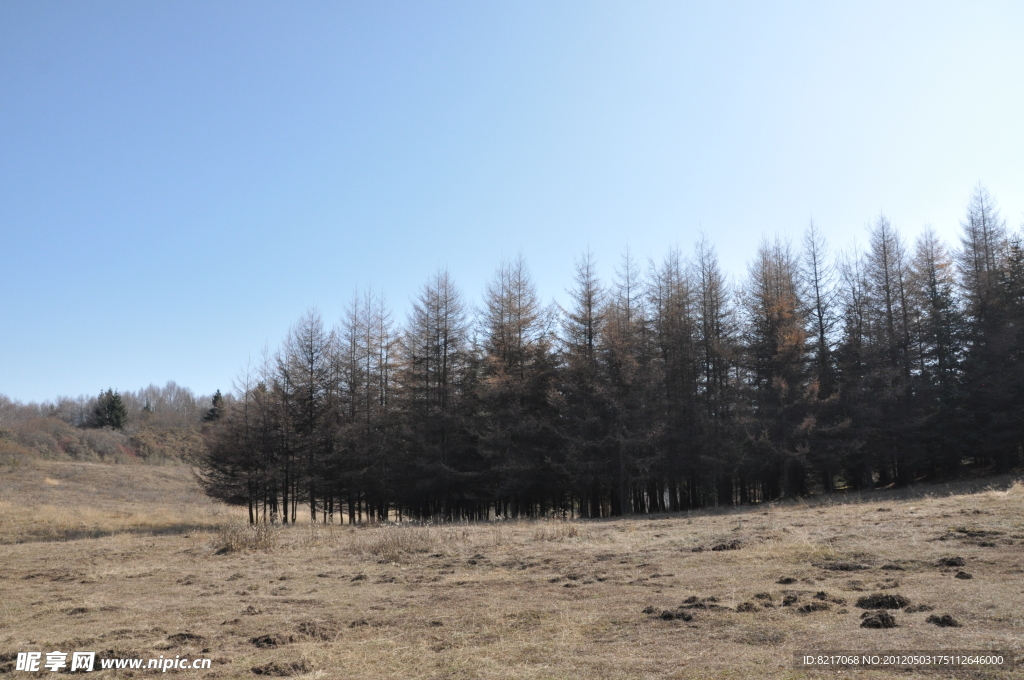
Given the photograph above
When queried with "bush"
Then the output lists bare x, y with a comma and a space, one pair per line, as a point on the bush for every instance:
105, 443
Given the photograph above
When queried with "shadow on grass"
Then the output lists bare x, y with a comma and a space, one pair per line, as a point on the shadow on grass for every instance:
47, 534
962, 487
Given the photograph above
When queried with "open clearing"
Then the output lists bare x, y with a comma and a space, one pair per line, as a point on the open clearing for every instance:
131, 561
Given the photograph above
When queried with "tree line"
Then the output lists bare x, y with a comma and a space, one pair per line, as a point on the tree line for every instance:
662, 390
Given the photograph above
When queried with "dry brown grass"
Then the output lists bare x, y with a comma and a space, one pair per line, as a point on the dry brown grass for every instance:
55, 500
238, 537
547, 599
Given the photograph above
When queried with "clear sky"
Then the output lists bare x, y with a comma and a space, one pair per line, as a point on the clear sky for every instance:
180, 181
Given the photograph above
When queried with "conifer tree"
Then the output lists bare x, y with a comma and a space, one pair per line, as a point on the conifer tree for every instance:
110, 411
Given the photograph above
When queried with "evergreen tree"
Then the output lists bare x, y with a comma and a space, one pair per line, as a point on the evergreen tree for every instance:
582, 404
215, 412
435, 398
675, 398
776, 360
516, 376
110, 411
937, 346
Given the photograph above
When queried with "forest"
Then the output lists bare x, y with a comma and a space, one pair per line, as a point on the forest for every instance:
664, 389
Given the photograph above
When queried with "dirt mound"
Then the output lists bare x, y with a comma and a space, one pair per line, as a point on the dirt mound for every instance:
919, 608
789, 600
184, 638
883, 601
763, 596
271, 640
748, 607
878, 619
669, 616
694, 602
815, 606
786, 580
7, 662
282, 670
964, 575
952, 561
943, 621
731, 545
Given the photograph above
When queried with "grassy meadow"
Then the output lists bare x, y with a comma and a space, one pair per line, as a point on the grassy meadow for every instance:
133, 560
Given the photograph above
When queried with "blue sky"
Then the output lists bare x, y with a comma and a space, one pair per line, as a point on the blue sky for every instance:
179, 181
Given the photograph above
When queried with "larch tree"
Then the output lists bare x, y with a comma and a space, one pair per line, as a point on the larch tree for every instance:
718, 378
435, 382
583, 400
516, 376
775, 344
676, 339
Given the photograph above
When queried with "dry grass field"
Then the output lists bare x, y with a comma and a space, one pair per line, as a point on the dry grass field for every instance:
134, 561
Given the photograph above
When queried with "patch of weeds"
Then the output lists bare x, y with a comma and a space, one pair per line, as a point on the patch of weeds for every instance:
246, 538
321, 629
765, 638
956, 561
964, 575
392, 543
